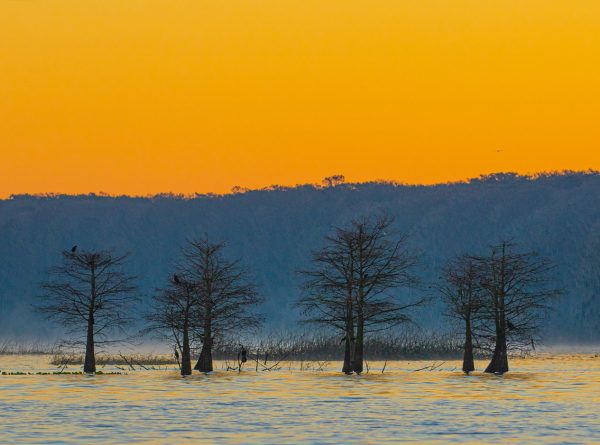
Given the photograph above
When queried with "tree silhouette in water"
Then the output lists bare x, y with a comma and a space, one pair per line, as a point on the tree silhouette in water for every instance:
358, 284
518, 291
464, 300
226, 296
89, 292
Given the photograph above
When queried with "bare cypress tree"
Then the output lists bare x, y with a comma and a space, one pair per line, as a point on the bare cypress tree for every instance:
464, 300
518, 288
226, 296
89, 291
356, 282
382, 270
174, 315
328, 290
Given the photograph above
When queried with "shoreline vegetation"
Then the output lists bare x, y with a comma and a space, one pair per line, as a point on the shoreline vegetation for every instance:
272, 352
287, 347
277, 352
402, 346
119, 364
30, 348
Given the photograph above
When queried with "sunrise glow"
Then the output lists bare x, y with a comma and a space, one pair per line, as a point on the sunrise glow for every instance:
148, 96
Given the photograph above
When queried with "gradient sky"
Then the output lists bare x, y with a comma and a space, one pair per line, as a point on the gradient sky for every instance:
144, 96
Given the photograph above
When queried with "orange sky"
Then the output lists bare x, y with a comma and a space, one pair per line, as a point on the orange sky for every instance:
144, 96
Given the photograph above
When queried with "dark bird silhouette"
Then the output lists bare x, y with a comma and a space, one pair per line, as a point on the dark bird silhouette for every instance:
510, 325
177, 357
176, 279
74, 249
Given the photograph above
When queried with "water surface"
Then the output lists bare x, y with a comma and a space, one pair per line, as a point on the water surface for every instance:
544, 400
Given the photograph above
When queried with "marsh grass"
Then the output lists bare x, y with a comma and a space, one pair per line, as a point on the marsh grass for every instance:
33, 348
265, 353
141, 360
57, 373
290, 347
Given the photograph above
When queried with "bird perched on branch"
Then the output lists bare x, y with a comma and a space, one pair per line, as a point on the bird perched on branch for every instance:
176, 279
74, 249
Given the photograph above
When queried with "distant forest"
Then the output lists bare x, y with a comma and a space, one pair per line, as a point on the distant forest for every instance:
274, 231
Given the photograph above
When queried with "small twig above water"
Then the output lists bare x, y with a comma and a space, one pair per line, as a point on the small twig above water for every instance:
431, 367
127, 361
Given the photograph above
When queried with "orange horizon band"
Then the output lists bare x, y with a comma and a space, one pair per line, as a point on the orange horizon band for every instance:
145, 97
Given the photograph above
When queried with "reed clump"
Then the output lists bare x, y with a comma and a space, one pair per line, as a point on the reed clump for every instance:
57, 373
399, 346
33, 348
62, 359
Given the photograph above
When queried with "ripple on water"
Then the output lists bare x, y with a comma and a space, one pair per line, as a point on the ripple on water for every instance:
542, 401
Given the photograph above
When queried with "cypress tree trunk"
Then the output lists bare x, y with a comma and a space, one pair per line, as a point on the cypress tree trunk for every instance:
347, 366
89, 364
499, 362
205, 362
186, 364
468, 362
357, 363
349, 340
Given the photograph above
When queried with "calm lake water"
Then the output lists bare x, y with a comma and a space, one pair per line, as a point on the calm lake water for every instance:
544, 400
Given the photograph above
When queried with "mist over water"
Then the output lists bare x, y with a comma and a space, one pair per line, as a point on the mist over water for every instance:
547, 399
